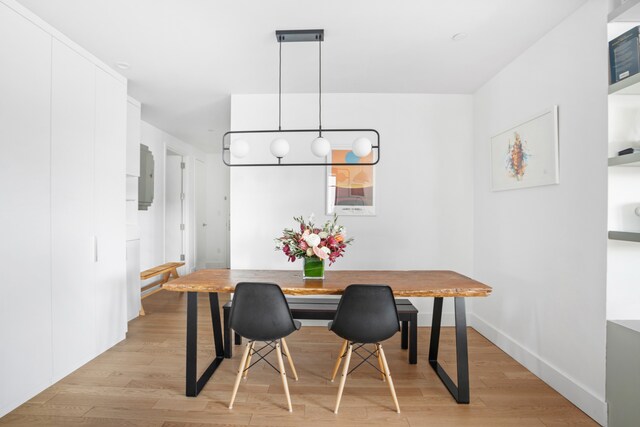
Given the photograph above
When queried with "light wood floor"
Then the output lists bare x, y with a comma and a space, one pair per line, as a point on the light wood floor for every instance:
140, 382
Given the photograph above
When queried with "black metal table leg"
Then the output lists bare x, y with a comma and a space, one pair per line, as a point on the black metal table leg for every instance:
238, 338
404, 344
228, 348
413, 339
195, 384
460, 392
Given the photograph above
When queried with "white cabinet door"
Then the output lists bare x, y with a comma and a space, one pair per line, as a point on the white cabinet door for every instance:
133, 279
110, 221
133, 139
72, 133
25, 213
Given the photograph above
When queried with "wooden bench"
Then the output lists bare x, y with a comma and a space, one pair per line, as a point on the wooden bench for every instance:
168, 271
325, 309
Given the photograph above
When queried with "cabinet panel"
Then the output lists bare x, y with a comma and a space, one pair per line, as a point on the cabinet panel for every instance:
72, 133
133, 279
25, 246
110, 214
133, 139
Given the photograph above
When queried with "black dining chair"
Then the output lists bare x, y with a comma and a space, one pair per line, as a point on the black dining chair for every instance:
260, 313
366, 314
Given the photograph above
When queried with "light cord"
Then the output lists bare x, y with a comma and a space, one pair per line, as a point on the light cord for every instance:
320, 86
280, 85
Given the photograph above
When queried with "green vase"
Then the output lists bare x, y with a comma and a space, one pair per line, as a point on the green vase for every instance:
313, 268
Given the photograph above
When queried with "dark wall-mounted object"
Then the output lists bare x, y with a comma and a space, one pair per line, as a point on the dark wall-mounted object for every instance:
145, 180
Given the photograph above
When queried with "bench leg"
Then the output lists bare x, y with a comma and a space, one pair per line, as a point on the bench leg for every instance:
228, 350
404, 344
413, 340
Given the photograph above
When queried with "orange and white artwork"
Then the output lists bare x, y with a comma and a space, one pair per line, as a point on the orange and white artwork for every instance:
350, 189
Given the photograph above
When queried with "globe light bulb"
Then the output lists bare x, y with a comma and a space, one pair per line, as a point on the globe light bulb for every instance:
361, 147
279, 147
239, 148
320, 147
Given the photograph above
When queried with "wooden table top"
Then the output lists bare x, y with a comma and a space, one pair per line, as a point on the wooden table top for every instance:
417, 283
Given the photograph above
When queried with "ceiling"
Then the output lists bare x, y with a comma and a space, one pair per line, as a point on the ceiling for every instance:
188, 56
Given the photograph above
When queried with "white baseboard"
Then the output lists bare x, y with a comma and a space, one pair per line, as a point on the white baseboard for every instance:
575, 392
215, 265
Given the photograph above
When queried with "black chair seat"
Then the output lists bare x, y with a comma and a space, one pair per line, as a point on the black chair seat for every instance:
260, 312
366, 314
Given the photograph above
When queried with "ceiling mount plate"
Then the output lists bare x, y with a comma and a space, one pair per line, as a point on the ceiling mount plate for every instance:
299, 35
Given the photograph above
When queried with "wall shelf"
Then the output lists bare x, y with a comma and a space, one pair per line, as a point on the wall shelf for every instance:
632, 160
626, 236
628, 86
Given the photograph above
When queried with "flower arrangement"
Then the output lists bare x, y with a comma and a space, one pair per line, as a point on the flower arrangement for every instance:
326, 242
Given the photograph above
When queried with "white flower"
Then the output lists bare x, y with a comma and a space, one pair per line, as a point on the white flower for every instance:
323, 234
326, 250
312, 239
309, 252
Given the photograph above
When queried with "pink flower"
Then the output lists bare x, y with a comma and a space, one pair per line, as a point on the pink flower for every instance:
320, 253
303, 245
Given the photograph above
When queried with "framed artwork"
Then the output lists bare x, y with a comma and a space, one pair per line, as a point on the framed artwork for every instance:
350, 189
527, 154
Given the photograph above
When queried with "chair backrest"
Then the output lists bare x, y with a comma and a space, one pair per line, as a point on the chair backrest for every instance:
366, 314
260, 312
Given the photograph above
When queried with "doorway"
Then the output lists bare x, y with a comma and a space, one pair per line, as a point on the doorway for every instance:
201, 214
174, 220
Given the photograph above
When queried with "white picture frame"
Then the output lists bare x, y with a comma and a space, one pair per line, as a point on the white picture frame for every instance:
526, 155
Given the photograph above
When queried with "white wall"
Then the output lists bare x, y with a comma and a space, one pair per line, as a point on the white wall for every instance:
423, 183
544, 249
152, 221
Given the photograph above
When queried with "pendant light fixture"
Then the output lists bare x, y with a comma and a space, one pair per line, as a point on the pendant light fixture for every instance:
234, 146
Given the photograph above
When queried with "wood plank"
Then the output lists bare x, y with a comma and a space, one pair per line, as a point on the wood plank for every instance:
421, 283
164, 268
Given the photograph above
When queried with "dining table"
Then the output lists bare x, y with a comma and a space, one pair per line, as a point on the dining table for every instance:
436, 284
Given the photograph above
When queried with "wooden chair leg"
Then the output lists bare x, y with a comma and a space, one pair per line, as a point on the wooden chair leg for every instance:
286, 352
340, 356
388, 374
243, 362
248, 358
380, 364
343, 379
283, 375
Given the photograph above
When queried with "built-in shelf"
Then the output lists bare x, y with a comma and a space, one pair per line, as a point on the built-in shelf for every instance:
628, 86
632, 159
626, 236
